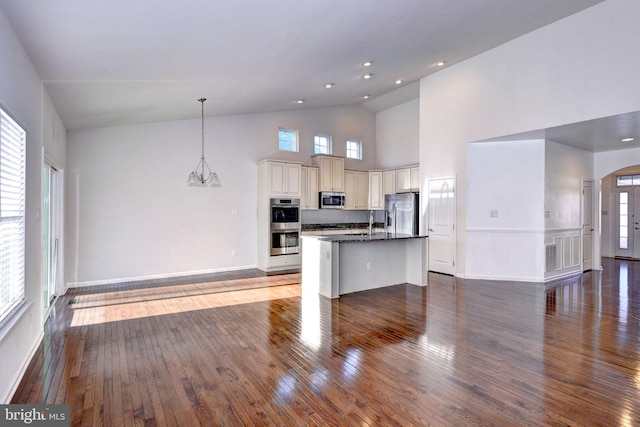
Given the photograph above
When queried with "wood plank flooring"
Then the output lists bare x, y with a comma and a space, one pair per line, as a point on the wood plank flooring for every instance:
243, 349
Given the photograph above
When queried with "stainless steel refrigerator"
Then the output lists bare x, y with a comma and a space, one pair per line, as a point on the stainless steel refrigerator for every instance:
402, 213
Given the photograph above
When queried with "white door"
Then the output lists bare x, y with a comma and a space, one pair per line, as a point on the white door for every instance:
627, 222
587, 225
441, 211
51, 214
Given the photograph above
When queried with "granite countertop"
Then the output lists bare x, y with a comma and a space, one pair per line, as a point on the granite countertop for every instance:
340, 226
364, 237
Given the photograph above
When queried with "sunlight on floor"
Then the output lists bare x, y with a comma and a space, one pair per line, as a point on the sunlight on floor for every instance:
138, 303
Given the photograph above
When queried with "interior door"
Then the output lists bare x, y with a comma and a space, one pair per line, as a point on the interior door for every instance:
587, 225
441, 211
51, 231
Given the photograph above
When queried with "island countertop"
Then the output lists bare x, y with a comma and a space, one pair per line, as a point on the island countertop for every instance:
363, 237
334, 265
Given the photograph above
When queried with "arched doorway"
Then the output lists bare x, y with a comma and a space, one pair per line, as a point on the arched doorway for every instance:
621, 213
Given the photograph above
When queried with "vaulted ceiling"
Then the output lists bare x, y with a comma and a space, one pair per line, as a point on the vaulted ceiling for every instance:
117, 62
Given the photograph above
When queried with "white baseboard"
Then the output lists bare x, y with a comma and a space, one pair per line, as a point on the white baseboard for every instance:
155, 276
506, 279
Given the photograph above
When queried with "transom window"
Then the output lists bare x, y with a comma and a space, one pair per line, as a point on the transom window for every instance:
288, 140
354, 149
322, 143
12, 216
625, 180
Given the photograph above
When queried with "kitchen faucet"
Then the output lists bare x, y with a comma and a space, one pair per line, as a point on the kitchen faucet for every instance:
370, 222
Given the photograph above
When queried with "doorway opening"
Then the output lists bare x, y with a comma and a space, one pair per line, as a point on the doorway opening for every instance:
51, 234
627, 216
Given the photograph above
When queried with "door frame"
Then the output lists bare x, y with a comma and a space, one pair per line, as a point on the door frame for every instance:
617, 251
453, 218
592, 226
57, 224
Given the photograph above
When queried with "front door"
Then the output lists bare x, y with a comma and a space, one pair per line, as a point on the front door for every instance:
441, 208
627, 242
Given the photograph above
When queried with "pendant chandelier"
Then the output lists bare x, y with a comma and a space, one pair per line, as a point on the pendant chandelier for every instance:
202, 176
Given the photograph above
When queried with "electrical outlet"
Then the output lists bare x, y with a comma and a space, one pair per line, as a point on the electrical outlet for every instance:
233, 252
368, 265
493, 213
234, 212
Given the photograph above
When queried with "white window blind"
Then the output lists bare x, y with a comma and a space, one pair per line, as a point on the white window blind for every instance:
12, 202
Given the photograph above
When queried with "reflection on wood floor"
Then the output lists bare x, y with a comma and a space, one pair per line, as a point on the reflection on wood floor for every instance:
247, 349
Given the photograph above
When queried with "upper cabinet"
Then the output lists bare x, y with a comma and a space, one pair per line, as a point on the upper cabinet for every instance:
376, 190
284, 179
309, 197
415, 178
331, 173
389, 182
356, 189
408, 179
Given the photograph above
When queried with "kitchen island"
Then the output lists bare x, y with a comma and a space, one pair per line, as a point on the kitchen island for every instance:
334, 265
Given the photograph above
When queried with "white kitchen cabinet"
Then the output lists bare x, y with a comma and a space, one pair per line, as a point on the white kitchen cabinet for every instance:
349, 190
408, 179
276, 179
388, 183
309, 182
284, 179
356, 189
376, 195
403, 180
415, 178
331, 173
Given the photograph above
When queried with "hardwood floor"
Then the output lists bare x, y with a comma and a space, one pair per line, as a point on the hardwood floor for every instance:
247, 349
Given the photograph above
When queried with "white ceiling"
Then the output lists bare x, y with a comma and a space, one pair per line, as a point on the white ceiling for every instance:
598, 135
114, 62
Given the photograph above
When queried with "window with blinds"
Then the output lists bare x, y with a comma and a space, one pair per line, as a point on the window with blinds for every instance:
12, 202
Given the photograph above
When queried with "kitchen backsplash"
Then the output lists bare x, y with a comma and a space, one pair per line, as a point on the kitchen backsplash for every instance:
339, 216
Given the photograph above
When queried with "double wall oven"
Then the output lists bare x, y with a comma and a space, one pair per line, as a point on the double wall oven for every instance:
285, 226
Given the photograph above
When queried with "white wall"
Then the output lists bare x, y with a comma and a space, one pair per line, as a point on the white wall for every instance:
23, 96
505, 198
565, 169
130, 214
559, 74
397, 137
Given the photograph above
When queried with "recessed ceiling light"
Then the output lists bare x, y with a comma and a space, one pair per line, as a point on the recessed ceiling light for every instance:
440, 64
366, 96
300, 101
627, 139
367, 76
398, 82
329, 85
367, 63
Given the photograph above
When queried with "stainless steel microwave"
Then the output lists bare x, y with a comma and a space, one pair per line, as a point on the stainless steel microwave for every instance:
331, 200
